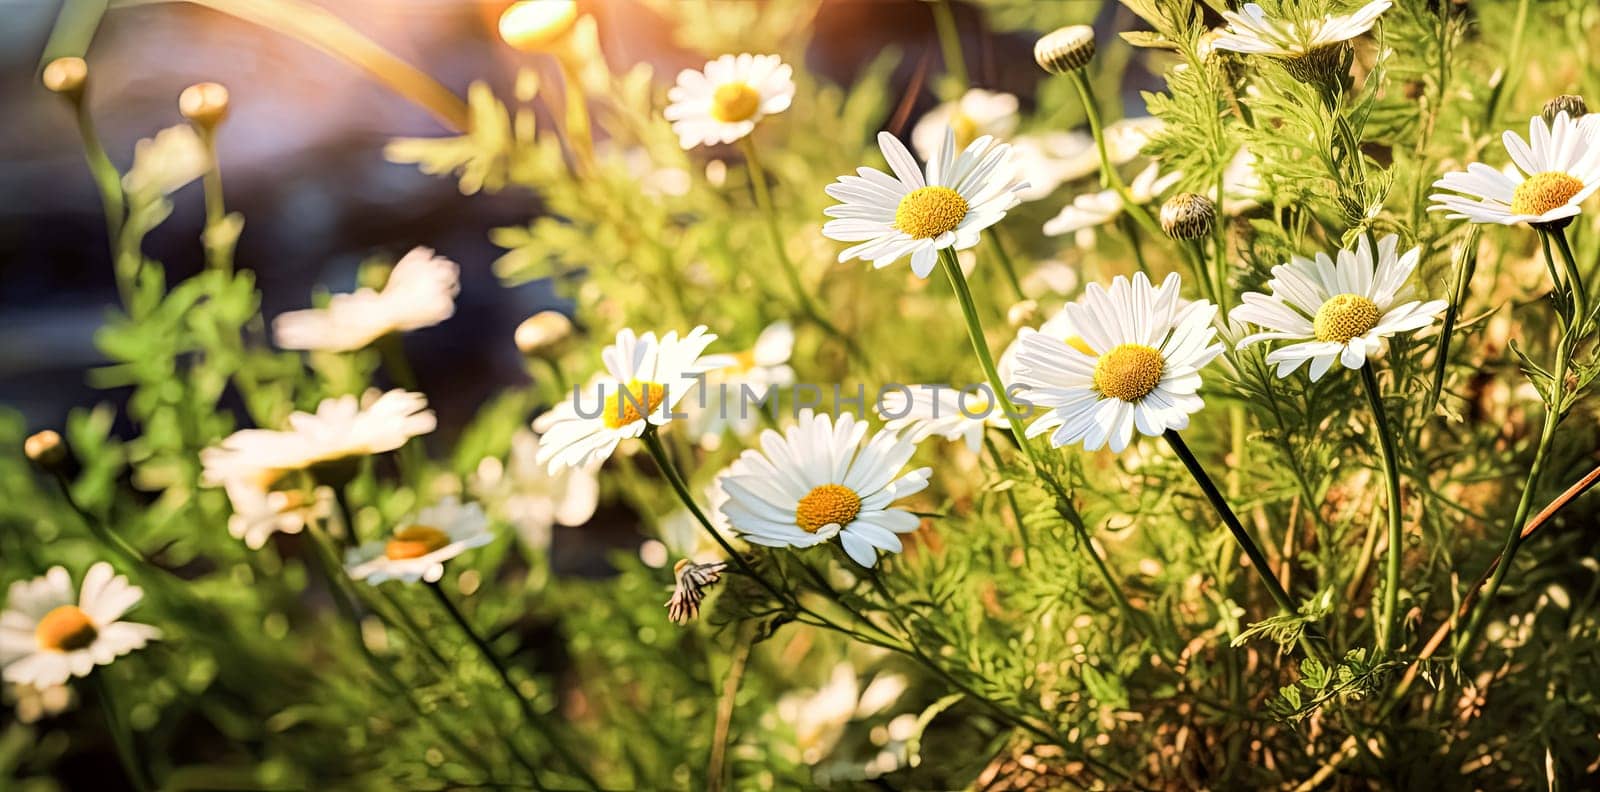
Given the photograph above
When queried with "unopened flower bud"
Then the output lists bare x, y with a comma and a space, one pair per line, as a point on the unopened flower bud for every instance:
538, 25
542, 334
46, 450
1571, 104
205, 104
1022, 314
1065, 50
1188, 216
1320, 66
66, 75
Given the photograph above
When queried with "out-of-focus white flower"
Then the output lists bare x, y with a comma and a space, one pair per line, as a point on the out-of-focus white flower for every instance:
1051, 277
1096, 209
1125, 138
420, 293
646, 378
820, 717
531, 498
259, 513
653, 179
942, 411
724, 403
48, 636
419, 547
975, 114
34, 704
723, 102
918, 214
1052, 159
166, 162
1241, 185
342, 428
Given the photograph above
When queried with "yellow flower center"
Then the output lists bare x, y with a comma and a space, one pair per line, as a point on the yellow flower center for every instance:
65, 629
1128, 372
829, 504
1542, 192
734, 102
927, 212
965, 128
623, 406
1345, 316
415, 541
1077, 342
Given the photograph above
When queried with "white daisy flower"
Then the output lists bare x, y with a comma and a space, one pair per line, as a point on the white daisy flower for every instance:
726, 405
977, 112
1090, 210
527, 495
1313, 42
420, 292
816, 481
1052, 159
1059, 327
47, 636
942, 411
419, 547
723, 102
341, 429
1337, 311
645, 379
1141, 371
683, 535
917, 214
258, 513
1559, 169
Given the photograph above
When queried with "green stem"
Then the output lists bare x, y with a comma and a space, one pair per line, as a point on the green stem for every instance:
101, 531
758, 183
955, 61
1465, 268
120, 735
1508, 552
216, 211
1580, 292
1011, 497
1006, 265
1258, 560
109, 182
528, 714
578, 132
1108, 170
1390, 619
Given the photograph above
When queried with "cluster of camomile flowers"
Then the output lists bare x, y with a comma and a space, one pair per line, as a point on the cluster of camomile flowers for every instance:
1123, 360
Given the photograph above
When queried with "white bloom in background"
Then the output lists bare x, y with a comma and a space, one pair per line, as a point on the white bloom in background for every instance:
723, 102
1337, 310
726, 405
975, 114
34, 704
1090, 210
1059, 327
683, 535
1052, 159
1241, 184
1052, 277
646, 378
1251, 31
1141, 371
819, 717
258, 513
942, 411
1559, 169
532, 499
48, 636
1125, 138
816, 481
421, 292
918, 214
166, 162
419, 547
341, 429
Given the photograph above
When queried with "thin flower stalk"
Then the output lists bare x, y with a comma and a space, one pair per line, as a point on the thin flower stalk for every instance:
121, 736
1580, 292
532, 718
1389, 626
1108, 171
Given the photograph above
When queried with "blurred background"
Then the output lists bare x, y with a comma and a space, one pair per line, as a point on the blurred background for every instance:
302, 160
